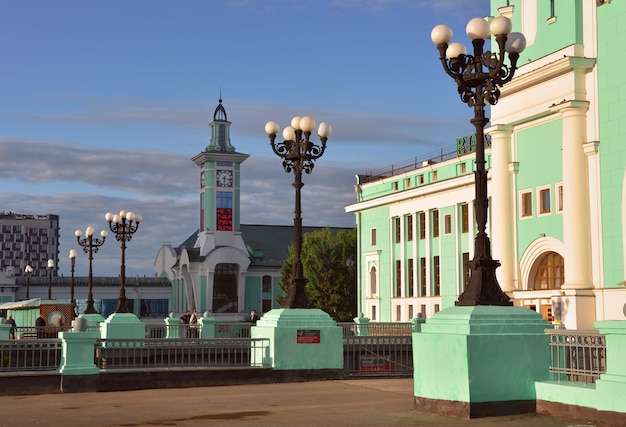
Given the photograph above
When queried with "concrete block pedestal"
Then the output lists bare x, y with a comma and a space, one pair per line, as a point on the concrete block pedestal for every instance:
123, 326
300, 338
480, 361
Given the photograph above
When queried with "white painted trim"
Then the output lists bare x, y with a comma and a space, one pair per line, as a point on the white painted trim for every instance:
535, 250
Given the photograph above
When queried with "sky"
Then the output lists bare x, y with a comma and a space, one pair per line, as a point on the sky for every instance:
103, 105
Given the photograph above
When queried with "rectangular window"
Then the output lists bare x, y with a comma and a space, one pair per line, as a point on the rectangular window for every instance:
436, 308
395, 185
464, 218
466, 270
423, 310
408, 183
526, 204
436, 269
409, 228
398, 278
398, 312
422, 225
411, 281
397, 227
267, 284
423, 277
463, 168
436, 223
447, 224
373, 237
559, 197
373, 312
420, 179
544, 200
434, 176
410, 311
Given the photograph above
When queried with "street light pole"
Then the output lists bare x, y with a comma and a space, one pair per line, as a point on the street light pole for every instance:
298, 154
28, 270
90, 246
50, 267
73, 254
478, 78
123, 225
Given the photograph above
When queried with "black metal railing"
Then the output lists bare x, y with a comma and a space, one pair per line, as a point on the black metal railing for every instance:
577, 356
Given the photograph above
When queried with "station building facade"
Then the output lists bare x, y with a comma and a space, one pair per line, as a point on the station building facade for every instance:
557, 184
225, 267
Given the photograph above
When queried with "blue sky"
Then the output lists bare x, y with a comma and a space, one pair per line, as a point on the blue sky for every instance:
103, 104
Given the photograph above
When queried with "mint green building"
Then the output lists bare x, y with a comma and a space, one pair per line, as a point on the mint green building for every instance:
557, 163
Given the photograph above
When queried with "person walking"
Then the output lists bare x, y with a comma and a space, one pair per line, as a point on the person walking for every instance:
13, 329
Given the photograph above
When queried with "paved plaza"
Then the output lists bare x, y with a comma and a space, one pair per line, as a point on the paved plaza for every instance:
375, 402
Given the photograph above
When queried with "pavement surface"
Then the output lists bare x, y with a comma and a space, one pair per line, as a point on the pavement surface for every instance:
371, 402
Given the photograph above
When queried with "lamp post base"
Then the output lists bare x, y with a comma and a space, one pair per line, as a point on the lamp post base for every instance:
483, 288
297, 297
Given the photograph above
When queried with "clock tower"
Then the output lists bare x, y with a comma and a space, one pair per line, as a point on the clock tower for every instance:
219, 178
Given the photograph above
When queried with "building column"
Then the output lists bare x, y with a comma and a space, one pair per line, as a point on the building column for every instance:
577, 299
502, 206
576, 212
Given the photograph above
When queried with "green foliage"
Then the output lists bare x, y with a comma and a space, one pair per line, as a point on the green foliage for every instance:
329, 264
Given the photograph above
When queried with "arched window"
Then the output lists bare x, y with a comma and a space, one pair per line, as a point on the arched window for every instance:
372, 281
550, 272
225, 289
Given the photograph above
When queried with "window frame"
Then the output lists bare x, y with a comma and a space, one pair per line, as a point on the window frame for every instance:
525, 200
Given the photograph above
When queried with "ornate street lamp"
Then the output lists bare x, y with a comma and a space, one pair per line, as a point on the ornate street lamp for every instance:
50, 268
28, 270
478, 78
90, 246
298, 154
124, 225
73, 254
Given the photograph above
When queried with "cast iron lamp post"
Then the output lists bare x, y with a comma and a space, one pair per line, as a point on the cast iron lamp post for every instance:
298, 154
124, 225
90, 246
50, 268
28, 270
478, 78
72, 255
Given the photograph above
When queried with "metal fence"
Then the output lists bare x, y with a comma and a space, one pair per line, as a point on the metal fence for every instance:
180, 353
30, 355
222, 330
393, 329
577, 356
376, 356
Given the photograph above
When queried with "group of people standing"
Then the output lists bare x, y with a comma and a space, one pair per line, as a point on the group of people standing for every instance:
190, 320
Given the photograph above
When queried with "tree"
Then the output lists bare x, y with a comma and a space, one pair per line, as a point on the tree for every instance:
328, 262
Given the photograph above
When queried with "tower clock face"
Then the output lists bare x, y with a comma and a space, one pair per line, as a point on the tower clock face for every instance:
224, 178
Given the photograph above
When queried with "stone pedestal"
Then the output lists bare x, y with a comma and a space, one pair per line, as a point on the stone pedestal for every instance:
299, 338
78, 352
361, 325
5, 329
93, 320
173, 325
123, 326
612, 383
207, 326
480, 361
